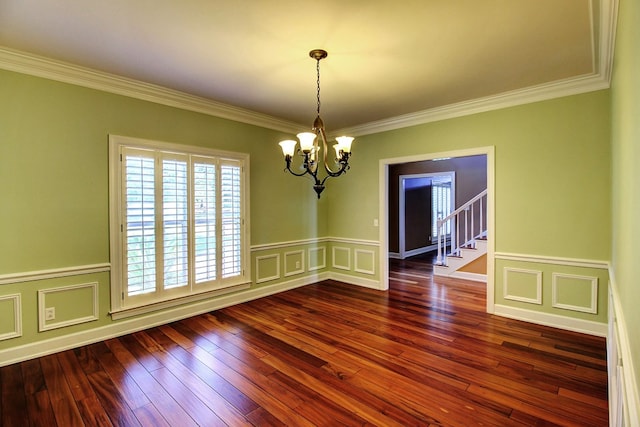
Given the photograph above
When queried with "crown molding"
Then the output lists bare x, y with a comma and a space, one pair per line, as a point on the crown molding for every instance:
607, 37
603, 51
27, 63
528, 95
604, 32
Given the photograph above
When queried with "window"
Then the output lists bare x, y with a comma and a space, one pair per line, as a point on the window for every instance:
178, 225
440, 205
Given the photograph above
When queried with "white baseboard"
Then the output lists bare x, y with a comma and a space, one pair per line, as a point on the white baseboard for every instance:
553, 320
118, 328
355, 280
413, 252
420, 251
476, 277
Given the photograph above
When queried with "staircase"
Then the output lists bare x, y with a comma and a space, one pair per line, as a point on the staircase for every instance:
462, 238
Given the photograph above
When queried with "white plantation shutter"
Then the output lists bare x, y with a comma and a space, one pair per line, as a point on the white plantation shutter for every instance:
140, 239
231, 219
174, 223
182, 223
205, 228
440, 205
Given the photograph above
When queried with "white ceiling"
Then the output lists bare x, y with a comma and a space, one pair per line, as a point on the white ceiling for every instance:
386, 58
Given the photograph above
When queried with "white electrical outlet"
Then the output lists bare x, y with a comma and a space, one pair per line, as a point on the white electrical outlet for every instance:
297, 264
50, 313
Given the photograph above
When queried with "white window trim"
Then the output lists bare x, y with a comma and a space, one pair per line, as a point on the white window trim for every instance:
116, 142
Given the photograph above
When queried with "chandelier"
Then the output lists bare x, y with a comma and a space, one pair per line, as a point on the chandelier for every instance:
310, 148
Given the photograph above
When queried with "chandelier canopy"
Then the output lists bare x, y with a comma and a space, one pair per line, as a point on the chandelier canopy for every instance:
311, 148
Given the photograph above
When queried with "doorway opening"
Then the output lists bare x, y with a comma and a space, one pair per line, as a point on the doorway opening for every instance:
423, 199
389, 211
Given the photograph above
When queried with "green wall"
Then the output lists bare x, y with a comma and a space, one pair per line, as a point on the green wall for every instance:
552, 174
625, 95
552, 185
54, 185
54, 171
551, 170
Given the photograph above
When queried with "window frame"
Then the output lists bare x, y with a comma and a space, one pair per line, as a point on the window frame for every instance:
123, 305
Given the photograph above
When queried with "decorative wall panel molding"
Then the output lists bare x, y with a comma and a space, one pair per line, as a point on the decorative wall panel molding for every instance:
317, 258
364, 261
86, 308
269, 265
514, 278
293, 263
11, 304
562, 281
341, 258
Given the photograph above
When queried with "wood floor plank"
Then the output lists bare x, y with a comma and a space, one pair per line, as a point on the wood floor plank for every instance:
63, 404
166, 405
111, 400
189, 402
209, 376
93, 413
14, 405
130, 391
76, 378
36, 394
223, 409
272, 396
423, 353
148, 415
39, 411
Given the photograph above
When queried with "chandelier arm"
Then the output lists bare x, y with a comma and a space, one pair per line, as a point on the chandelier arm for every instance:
343, 163
313, 174
288, 168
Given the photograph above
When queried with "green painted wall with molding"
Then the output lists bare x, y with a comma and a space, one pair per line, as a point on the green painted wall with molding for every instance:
54, 184
625, 89
552, 182
552, 172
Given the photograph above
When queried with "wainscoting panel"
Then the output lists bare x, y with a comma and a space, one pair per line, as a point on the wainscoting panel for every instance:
624, 390
72, 305
267, 268
317, 258
352, 261
522, 285
341, 258
573, 292
567, 293
293, 263
10, 316
365, 261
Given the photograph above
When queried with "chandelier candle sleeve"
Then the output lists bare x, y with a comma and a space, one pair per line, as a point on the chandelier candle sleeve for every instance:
312, 143
344, 142
288, 147
306, 141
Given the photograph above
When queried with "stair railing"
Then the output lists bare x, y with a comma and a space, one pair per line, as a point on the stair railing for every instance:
464, 217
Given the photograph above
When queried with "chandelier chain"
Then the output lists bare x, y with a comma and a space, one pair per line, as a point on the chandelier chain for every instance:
318, 83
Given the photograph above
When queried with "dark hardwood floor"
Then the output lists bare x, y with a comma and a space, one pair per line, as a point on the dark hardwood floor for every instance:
425, 353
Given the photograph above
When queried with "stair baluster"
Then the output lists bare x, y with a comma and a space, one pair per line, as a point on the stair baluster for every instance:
449, 244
